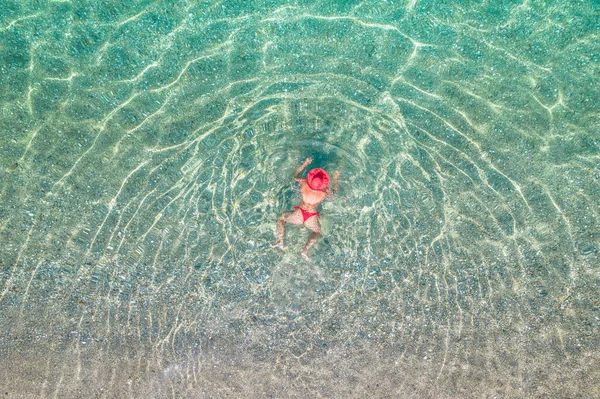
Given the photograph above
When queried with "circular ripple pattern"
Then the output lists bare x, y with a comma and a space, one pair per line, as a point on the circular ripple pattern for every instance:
148, 150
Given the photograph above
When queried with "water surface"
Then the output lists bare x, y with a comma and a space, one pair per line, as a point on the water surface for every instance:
147, 148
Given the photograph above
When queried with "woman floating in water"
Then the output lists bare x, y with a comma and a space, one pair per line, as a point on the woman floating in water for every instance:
314, 191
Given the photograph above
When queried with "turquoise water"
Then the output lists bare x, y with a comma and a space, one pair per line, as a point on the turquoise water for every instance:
147, 149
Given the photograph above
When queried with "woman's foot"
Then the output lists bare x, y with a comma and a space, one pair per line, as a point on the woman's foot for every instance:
306, 258
278, 244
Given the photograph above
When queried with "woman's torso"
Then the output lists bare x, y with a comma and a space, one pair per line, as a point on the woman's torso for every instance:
311, 198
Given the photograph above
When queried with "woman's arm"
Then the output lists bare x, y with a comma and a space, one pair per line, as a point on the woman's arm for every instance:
307, 162
336, 177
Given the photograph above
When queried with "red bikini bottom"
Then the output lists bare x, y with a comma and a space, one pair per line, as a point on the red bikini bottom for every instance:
307, 215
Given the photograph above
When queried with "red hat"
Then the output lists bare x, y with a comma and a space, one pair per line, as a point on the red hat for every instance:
317, 179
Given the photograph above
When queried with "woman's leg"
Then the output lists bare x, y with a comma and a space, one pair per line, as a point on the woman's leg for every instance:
313, 225
293, 217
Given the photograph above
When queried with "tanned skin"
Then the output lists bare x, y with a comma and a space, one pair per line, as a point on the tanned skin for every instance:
310, 201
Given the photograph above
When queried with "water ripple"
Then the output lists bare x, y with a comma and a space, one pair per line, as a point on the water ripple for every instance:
149, 148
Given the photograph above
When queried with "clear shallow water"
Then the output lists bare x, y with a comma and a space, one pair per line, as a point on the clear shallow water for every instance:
147, 149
